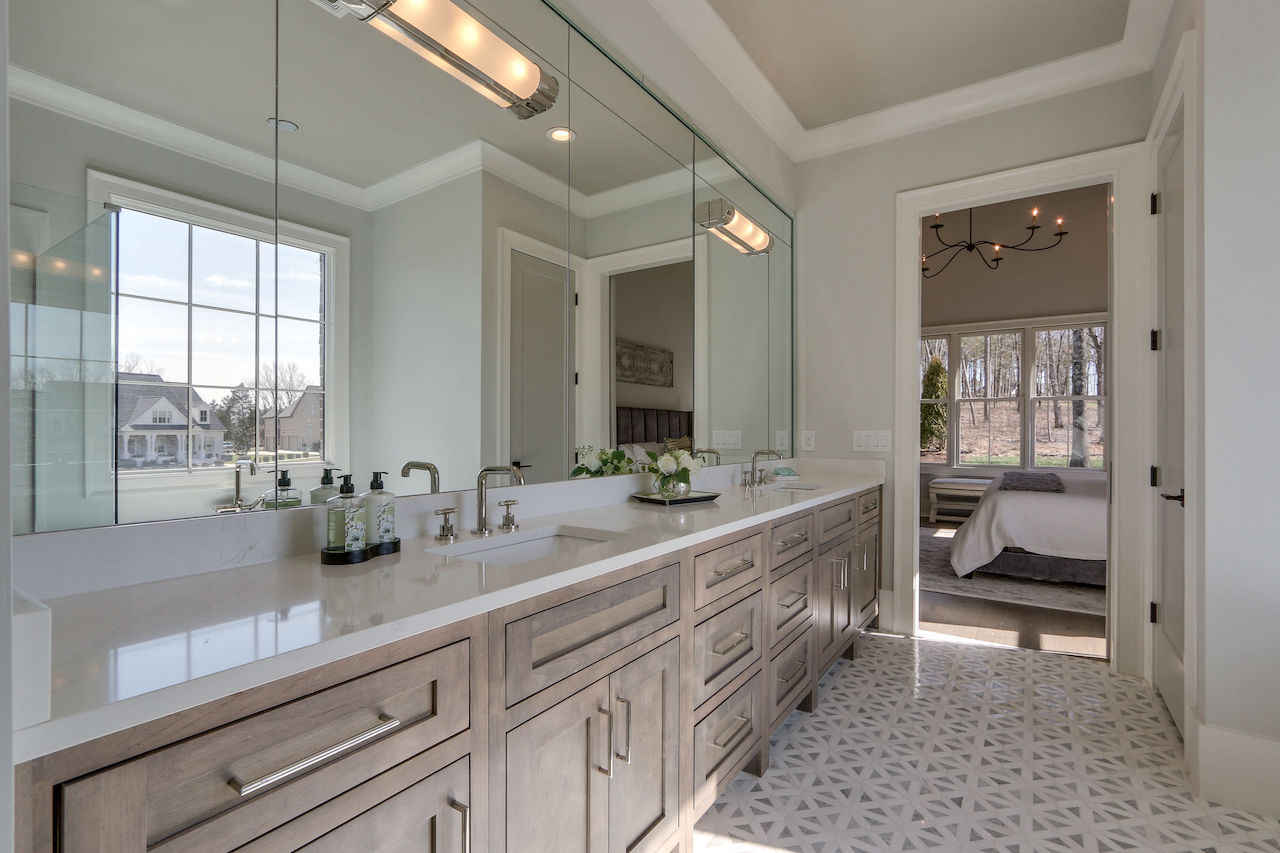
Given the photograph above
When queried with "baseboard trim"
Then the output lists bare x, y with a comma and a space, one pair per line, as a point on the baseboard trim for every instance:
1232, 767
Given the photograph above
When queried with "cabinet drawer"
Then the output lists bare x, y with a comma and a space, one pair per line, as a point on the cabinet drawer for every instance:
791, 539
790, 676
790, 601
868, 506
727, 568
552, 644
723, 738
725, 645
835, 521
222, 788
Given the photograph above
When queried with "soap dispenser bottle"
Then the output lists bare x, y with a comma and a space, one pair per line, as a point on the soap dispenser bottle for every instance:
380, 510
345, 519
283, 495
326, 490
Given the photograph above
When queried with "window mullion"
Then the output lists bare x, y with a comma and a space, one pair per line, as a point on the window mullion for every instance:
191, 298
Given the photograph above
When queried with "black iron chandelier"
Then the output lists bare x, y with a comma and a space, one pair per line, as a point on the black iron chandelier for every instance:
973, 246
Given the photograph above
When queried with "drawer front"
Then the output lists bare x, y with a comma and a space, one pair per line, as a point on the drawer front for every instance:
727, 568
275, 765
790, 675
790, 601
835, 521
722, 739
868, 506
550, 645
791, 539
725, 645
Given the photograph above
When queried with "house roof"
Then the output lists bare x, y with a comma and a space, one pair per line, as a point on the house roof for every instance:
292, 408
138, 393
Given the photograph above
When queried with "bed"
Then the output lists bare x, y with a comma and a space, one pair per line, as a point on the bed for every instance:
637, 430
1053, 536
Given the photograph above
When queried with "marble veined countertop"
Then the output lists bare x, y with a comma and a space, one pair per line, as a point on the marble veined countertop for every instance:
124, 656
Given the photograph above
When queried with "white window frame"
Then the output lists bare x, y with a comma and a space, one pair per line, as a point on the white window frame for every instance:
1026, 390
107, 189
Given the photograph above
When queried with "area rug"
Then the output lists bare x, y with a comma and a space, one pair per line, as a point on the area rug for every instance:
936, 575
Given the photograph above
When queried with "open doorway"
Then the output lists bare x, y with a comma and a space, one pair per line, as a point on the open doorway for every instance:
1013, 461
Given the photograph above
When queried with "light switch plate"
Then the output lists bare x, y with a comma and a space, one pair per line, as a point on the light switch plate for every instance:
727, 439
782, 440
872, 441
809, 440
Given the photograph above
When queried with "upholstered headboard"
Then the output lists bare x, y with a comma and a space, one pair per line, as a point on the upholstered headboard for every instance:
635, 425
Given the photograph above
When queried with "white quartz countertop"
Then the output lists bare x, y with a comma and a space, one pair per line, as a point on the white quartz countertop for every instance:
124, 656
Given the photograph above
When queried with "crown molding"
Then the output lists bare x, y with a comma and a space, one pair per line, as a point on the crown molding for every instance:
709, 37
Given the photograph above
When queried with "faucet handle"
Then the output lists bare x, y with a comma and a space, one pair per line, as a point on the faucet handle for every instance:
446, 533
509, 519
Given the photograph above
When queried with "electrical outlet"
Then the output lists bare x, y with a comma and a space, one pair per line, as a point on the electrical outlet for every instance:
782, 440
872, 441
809, 440
727, 439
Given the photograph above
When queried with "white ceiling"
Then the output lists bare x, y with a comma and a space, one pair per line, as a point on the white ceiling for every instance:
822, 76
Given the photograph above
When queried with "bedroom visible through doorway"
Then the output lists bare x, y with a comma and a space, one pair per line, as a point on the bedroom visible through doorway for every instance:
1013, 462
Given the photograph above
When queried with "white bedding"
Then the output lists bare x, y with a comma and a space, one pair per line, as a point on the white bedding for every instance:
1072, 523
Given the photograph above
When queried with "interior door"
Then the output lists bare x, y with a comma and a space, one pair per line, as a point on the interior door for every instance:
541, 368
1171, 568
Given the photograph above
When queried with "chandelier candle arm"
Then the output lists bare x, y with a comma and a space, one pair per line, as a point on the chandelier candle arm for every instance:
975, 246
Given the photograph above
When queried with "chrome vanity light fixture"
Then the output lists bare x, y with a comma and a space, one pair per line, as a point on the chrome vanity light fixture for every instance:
452, 40
731, 225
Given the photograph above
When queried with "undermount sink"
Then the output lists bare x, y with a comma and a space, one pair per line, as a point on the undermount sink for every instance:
525, 546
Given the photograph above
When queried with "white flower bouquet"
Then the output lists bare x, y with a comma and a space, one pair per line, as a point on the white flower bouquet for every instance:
672, 472
601, 463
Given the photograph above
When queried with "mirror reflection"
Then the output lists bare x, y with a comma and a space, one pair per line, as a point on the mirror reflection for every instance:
342, 253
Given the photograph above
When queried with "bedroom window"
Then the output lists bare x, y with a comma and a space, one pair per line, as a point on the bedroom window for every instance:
980, 408
988, 405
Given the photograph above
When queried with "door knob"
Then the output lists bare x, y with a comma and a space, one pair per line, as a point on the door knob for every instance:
1180, 497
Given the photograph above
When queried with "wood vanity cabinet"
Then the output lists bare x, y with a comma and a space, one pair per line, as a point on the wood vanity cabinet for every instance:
598, 771
836, 616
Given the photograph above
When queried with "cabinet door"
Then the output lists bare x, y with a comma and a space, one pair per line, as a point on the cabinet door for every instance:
836, 618
643, 795
865, 570
433, 814
557, 777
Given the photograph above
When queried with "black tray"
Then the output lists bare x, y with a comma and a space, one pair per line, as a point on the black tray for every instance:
691, 498
349, 558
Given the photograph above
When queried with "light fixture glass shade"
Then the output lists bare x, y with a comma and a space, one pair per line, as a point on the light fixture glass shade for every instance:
722, 219
449, 38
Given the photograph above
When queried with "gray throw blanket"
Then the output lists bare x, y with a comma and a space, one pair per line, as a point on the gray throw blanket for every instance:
1026, 481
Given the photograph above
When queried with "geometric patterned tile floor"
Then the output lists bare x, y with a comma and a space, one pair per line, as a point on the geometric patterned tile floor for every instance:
921, 745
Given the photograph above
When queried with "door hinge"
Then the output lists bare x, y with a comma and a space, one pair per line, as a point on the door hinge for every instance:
1155, 340
1155, 476
1155, 613
575, 299
575, 377
1155, 203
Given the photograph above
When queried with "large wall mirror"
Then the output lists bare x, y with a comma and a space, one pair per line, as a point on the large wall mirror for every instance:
254, 238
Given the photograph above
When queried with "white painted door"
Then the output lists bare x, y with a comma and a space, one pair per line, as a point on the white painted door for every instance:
541, 368
1170, 517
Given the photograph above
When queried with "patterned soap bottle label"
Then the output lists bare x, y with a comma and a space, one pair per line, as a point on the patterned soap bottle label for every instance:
384, 523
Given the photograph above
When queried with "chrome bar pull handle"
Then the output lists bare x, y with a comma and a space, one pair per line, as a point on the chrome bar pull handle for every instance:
796, 672
742, 637
734, 568
608, 770
794, 600
244, 789
465, 811
865, 550
626, 756
735, 736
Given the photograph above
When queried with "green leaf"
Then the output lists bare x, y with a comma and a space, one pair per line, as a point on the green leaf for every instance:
653, 457
682, 476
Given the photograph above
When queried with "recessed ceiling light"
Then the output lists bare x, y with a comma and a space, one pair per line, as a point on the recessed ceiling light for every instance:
561, 134
284, 124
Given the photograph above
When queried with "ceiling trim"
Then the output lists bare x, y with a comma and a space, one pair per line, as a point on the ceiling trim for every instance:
47, 93
710, 38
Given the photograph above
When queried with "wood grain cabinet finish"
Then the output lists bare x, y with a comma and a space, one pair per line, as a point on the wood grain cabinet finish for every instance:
724, 738
720, 571
791, 540
790, 676
837, 520
836, 616
866, 571
552, 644
790, 602
868, 506
599, 770
726, 645
225, 787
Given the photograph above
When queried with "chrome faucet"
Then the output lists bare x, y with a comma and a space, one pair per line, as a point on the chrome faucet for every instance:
705, 450
237, 505
482, 494
757, 477
424, 466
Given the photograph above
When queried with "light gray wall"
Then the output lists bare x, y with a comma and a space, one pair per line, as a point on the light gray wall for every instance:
655, 307
1241, 659
1070, 279
6, 576
643, 225
846, 226
738, 310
